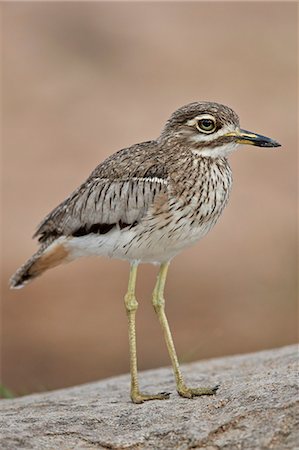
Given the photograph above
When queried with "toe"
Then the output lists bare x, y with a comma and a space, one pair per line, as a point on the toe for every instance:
138, 398
196, 392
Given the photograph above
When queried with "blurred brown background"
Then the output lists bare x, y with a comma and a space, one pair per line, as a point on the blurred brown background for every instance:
80, 81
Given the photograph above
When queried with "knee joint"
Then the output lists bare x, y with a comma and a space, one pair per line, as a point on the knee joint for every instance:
131, 302
158, 302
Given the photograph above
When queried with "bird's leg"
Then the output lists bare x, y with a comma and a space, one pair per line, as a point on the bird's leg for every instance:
159, 306
131, 307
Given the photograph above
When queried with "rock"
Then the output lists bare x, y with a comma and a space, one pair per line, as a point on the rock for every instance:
255, 408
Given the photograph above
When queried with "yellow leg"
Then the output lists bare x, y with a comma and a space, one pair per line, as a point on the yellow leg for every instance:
159, 305
131, 307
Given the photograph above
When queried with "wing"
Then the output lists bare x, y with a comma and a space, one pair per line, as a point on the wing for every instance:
118, 193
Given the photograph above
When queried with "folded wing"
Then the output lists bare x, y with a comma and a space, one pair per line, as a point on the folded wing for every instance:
112, 196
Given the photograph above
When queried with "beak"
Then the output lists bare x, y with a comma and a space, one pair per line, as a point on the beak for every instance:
247, 137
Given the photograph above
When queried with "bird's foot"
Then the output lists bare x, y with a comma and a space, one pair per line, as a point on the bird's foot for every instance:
186, 392
137, 397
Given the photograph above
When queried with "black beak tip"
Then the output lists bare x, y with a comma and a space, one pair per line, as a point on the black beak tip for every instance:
270, 143
256, 139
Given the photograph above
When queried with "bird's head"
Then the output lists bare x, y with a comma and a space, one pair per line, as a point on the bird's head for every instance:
210, 130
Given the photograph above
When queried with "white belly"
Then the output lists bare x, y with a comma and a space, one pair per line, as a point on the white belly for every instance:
137, 244
161, 234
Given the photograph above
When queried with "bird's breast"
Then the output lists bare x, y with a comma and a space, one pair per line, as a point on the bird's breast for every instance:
204, 191
192, 209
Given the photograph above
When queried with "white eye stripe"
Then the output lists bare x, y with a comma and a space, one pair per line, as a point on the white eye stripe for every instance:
196, 119
197, 122
211, 137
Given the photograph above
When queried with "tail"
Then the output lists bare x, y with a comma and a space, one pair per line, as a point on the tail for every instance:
45, 258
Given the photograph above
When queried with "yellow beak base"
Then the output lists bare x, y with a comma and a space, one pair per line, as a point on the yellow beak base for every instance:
247, 137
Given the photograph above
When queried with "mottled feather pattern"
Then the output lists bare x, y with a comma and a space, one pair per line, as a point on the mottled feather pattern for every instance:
109, 197
146, 202
169, 209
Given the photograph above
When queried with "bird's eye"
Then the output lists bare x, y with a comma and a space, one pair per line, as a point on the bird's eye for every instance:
206, 125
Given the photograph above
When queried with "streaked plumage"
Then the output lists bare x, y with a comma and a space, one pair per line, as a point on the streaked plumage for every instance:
147, 202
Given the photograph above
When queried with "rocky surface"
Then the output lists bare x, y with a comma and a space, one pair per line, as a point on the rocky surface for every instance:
255, 408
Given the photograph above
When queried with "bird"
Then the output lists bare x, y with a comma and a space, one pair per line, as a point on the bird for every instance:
145, 204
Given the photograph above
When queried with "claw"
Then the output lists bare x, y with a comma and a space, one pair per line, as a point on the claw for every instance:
138, 398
